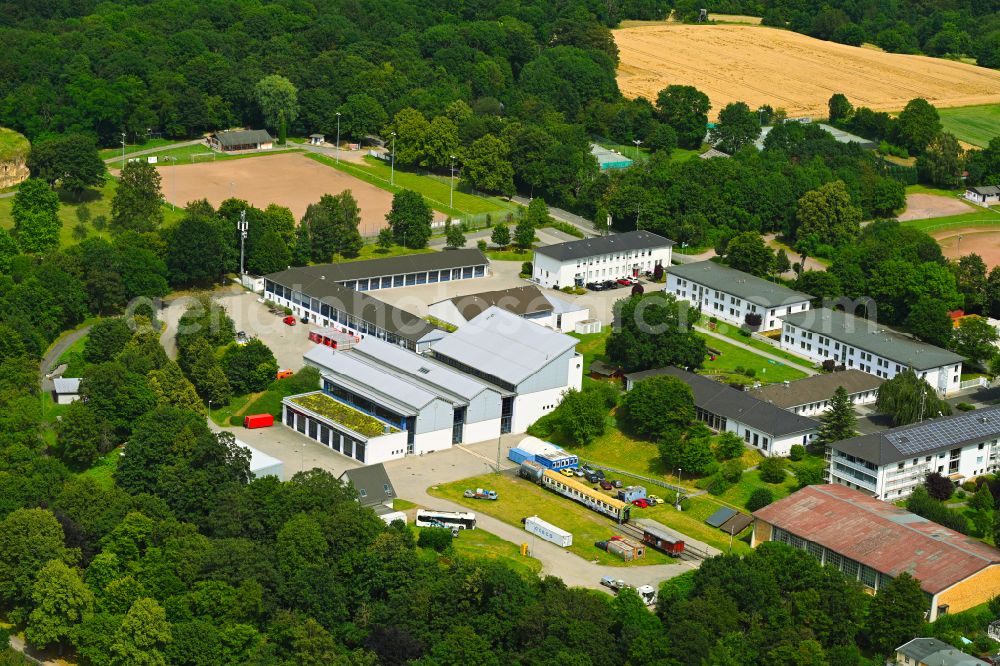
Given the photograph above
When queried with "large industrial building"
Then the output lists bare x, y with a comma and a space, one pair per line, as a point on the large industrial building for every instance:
528, 301
731, 295
874, 541
598, 259
891, 463
769, 429
861, 343
529, 365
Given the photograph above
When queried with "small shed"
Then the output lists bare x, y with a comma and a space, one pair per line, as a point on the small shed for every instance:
720, 517
317, 139
261, 464
609, 159
984, 194
66, 390
626, 549
602, 370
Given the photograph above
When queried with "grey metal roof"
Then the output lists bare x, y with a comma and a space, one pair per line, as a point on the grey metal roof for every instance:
366, 379
374, 481
720, 516
721, 399
66, 385
522, 301
658, 530
869, 336
229, 138
918, 439
359, 304
816, 388
743, 285
986, 190
934, 652
503, 345
427, 373
348, 271
589, 247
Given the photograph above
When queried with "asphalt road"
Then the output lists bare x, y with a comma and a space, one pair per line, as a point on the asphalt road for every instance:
53, 354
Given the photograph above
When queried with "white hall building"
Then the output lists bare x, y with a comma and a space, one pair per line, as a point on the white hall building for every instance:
611, 257
857, 342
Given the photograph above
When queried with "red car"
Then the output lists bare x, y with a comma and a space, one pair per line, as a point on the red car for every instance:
290, 320
641, 503
606, 485
625, 282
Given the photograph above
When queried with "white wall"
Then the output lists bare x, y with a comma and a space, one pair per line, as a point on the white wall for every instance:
726, 306
481, 431
66, 398
427, 442
446, 311
765, 443
945, 379
567, 321
530, 407
550, 273
821, 406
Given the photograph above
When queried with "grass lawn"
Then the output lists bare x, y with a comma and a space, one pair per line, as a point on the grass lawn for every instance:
104, 468
978, 217
520, 498
108, 153
924, 189
13, 144
751, 481
434, 188
733, 333
972, 124
509, 255
238, 406
373, 251
98, 202
73, 358
732, 357
478, 544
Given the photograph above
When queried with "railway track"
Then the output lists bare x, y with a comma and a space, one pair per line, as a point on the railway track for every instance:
690, 554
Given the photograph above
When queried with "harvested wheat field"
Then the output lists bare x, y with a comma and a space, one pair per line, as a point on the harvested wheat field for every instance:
289, 180
787, 70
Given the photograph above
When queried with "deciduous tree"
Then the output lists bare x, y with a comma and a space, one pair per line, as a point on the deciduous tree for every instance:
454, 238
918, 123
658, 403
28, 539
136, 204
410, 219
81, 436
941, 162
142, 637
685, 109
748, 253
487, 167
250, 367
277, 96
61, 600
929, 321
829, 214
654, 331
361, 115
36, 224
501, 236
70, 160
896, 614
737, 127
975, 339
840, 108
907, 399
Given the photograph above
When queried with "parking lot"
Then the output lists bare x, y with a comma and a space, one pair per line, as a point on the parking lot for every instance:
288, 343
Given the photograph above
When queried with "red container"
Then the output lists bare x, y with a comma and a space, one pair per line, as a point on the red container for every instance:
258, 421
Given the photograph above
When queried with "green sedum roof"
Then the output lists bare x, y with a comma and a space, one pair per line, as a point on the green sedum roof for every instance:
323, 405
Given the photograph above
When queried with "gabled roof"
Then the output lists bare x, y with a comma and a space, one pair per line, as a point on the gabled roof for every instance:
880, 535
503, 345
526, 300
712, 152
816, 388
589, 247
986, 190
743, 285
870, 336
66, 385
372, 483
934, 652
924, 438
229, 138
718, 398
348, 271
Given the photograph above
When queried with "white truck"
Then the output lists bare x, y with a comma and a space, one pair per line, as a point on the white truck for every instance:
547, 531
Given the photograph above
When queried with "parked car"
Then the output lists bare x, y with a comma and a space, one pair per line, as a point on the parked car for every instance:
592, 476
606, 485
304, 320
599, 473
289, 320
642, 503
580, 472
480, 493
617, 483
610, 284
566, 471
284, 374
595, 286
625, 282
654, 499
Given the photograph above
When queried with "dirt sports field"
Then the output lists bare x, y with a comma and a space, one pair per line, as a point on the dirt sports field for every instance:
287, 180
925, 206
984, 242
787, 70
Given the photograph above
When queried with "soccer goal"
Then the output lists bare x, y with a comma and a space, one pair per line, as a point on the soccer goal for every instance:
202, 157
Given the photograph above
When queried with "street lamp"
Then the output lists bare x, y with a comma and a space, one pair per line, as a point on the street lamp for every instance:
451, 190
680, 474
123, 150
392, 168
338, 137
242, 226
958, 246
636, 142
209, 410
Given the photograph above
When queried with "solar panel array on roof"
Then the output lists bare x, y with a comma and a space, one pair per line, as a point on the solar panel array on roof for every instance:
721, 516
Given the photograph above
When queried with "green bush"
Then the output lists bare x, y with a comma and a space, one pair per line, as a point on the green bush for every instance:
759, 499
435, 538
235, 420
797, 453
718, 485
772, 470
527, 268
964, 407
731, 470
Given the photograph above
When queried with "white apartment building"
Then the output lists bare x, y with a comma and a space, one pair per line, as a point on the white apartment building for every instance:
856, 342
611, 257
890, 464
731, 295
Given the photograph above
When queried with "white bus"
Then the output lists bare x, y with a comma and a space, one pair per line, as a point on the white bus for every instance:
455, 520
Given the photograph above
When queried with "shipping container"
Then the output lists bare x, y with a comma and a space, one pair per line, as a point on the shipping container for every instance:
258, 421
548, 531
520, 455
627, 550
